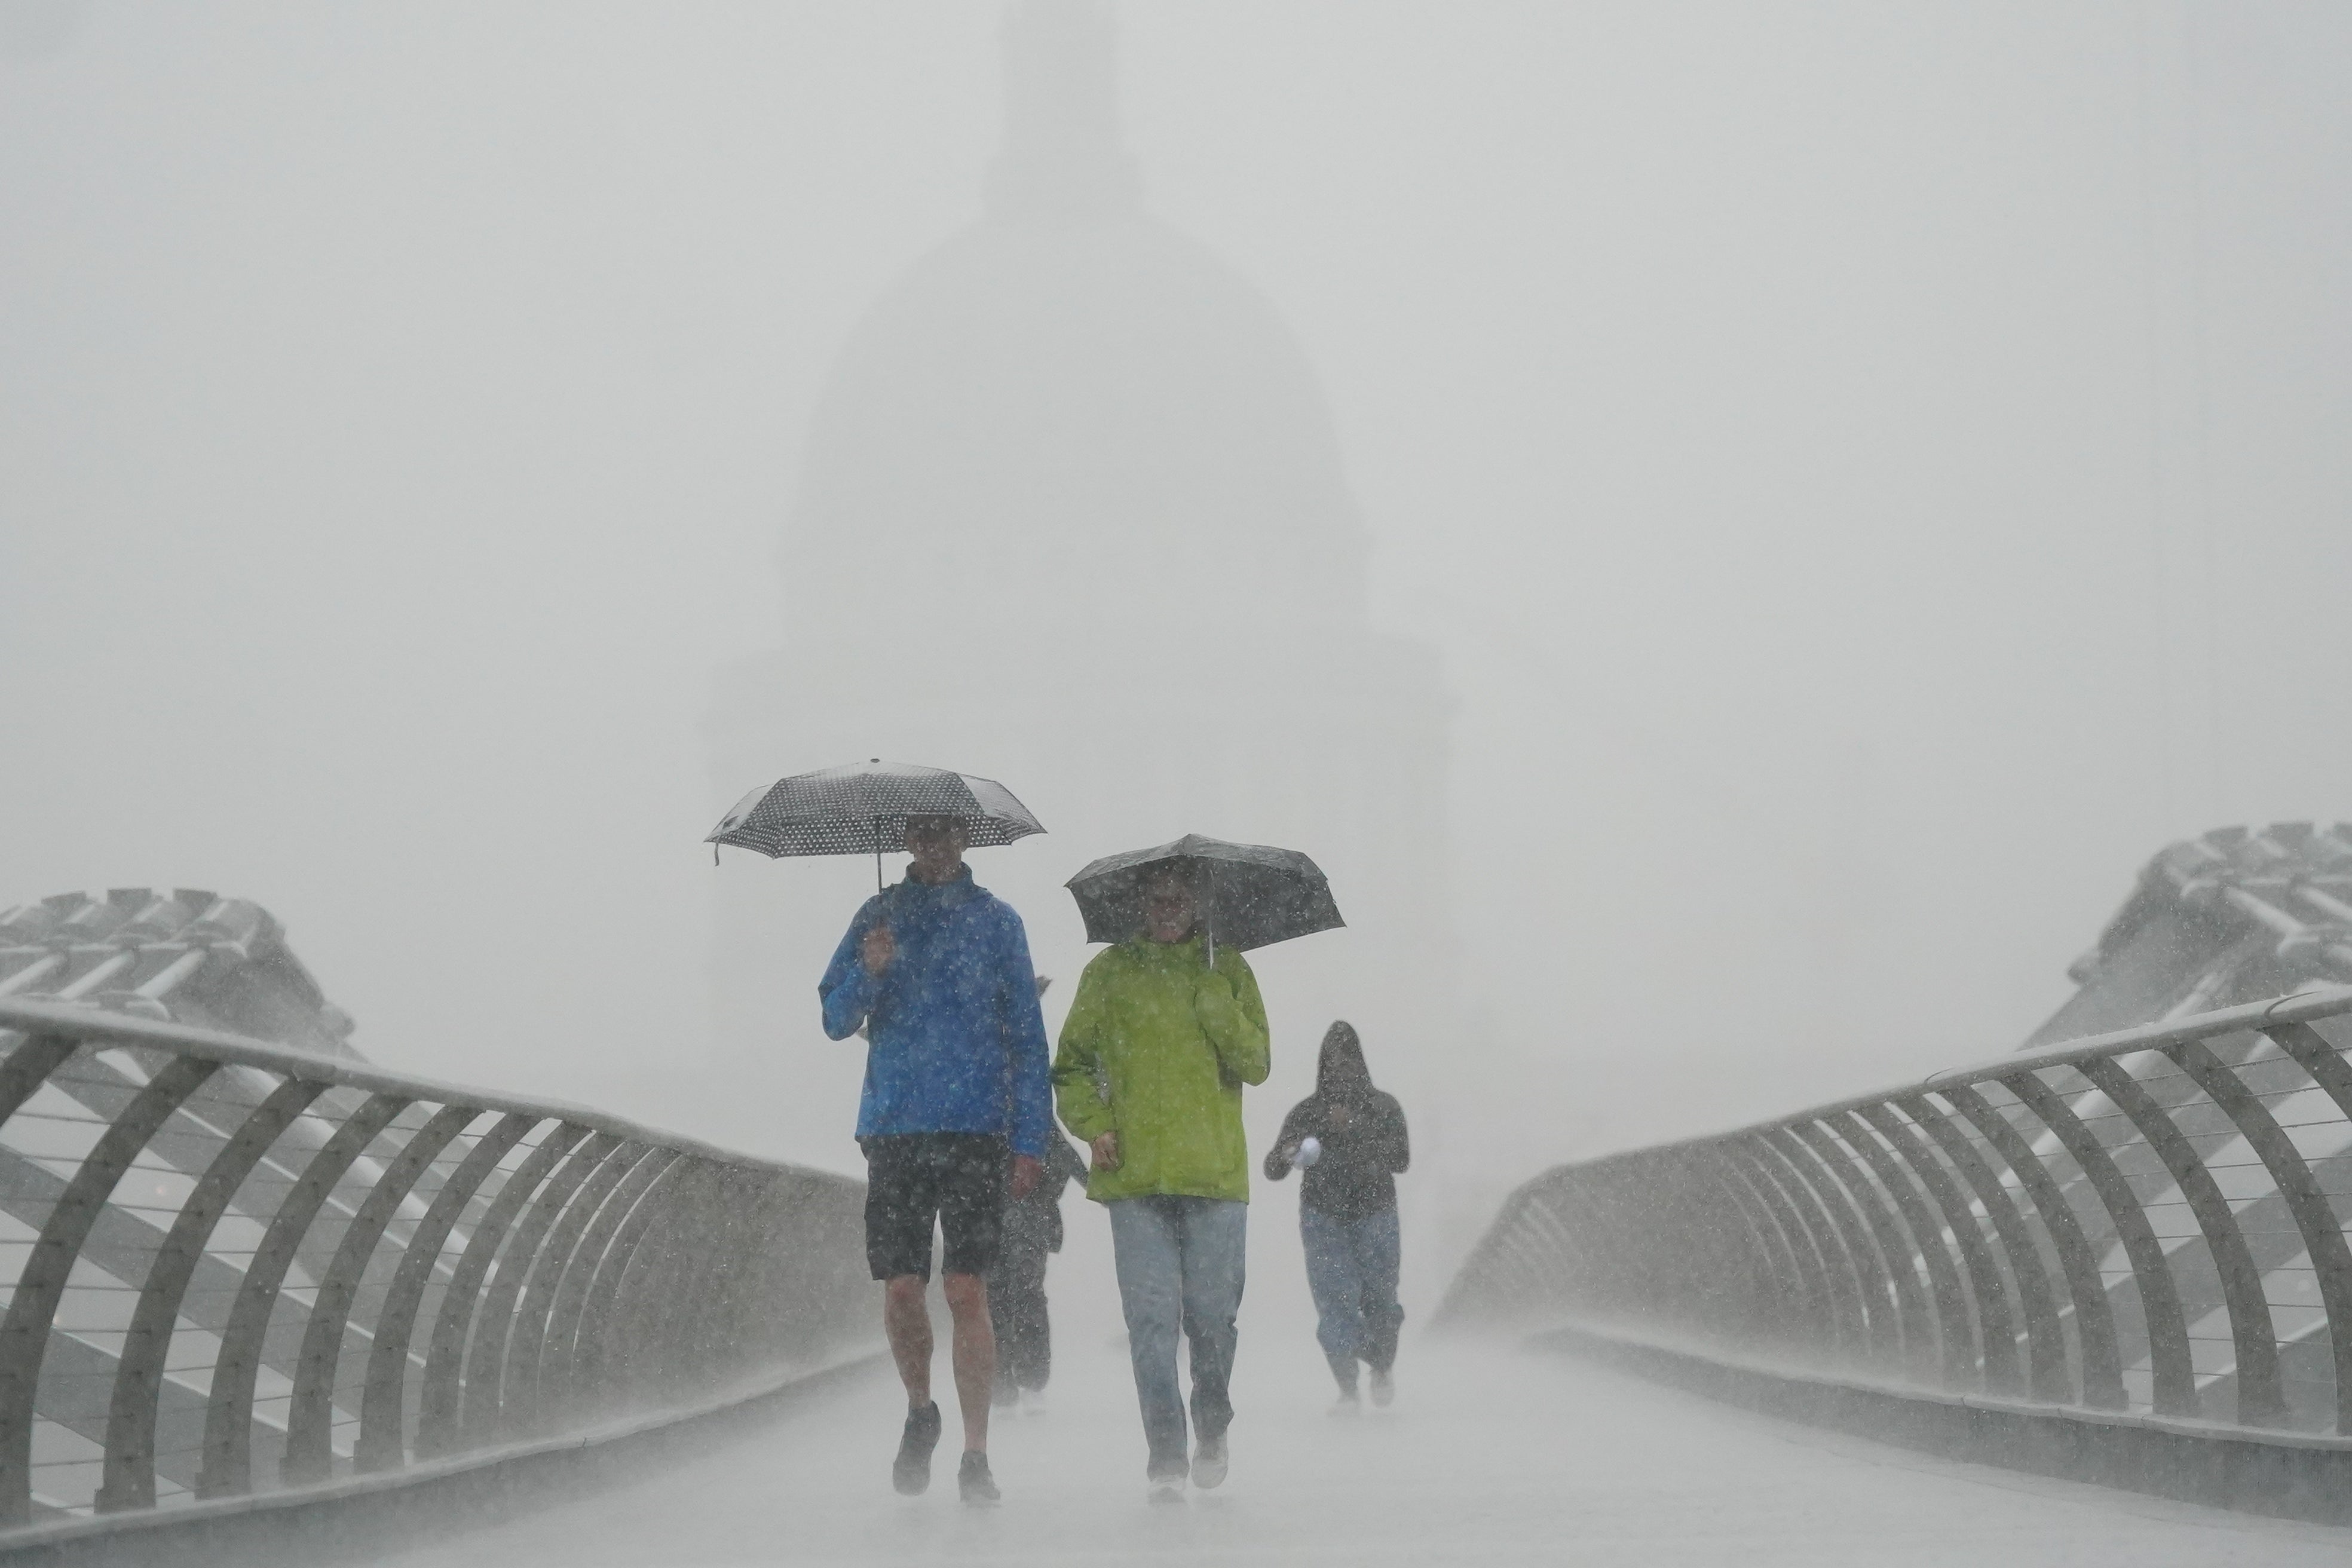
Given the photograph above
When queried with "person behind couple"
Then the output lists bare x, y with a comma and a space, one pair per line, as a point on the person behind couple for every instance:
956, 1109
1349, 1138
1017, 1308
1149, 1074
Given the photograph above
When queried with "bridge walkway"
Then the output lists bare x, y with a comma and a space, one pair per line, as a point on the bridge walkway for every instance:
1488, 1457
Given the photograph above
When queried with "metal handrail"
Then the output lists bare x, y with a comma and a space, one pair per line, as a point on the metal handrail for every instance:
2121, 1224
422, 1269
2296, 1007
212, 1044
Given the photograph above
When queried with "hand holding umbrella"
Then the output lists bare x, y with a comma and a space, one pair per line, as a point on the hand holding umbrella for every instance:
865, 808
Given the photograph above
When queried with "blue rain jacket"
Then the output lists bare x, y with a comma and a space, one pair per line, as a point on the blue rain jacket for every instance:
956, 1042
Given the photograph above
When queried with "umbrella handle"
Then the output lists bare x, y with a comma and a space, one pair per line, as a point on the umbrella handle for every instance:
1209, 917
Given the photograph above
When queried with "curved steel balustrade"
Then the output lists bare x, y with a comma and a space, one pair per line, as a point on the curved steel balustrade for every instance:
238, 1267
2150, 1221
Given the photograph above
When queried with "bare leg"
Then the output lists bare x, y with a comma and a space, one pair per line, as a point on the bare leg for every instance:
975, 1354
907, 1322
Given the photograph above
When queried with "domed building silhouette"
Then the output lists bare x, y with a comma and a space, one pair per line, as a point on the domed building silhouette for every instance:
1072, 516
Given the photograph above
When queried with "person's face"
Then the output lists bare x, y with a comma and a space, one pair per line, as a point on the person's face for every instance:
936, 845
1339, 1065
1169, 910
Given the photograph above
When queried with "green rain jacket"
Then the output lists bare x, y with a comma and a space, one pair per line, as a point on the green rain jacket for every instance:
1156, 1049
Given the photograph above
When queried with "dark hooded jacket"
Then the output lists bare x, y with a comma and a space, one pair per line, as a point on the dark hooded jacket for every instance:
1355, 1177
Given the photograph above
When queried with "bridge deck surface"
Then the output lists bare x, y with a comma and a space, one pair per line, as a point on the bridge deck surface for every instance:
1488, 1457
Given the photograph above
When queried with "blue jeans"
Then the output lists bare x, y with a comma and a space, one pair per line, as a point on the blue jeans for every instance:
1179, 1265
1351, 1268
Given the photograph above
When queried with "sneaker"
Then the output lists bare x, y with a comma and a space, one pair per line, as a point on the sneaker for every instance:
1347, 1403
975, 1482
1033, 1401
1383, 1386
1209, 1462
912, 1472
1004, 1394
1165, 1478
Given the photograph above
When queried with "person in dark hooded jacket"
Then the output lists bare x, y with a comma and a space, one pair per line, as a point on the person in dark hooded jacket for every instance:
1349, 1138
1016, 1280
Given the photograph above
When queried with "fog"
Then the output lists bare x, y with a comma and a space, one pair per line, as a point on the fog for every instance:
1859, 480
1635, 1473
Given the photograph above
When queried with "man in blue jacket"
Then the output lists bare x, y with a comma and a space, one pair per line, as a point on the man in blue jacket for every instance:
957, 1106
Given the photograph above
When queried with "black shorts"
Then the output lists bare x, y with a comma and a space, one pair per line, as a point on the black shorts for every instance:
912, 1178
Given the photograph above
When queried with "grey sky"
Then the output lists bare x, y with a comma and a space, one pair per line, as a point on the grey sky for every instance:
1760, 408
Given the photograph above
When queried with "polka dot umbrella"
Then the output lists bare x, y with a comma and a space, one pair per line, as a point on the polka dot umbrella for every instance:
863, 808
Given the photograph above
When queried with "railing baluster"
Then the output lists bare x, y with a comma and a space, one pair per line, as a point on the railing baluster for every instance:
647, 1318
604, 1295
438, 1429
2261, 1402
309, 1422
2323, 1235
486, 1360
1549, 1221
518, 1388
129, 1474
1815, 1312
25, 1334
1873, 1290
1783, 1283
2094, 1318
672, 1337
2171, 1364
228, 1416
718, 1264
559, 1357
1894, 1247
28, 1066
2046, 1341
1996, 1329
383, 1400
1548, 1232
2317, 1058
1610, 1198
1956, 1333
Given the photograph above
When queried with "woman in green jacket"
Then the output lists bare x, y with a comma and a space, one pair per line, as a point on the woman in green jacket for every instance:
1149, 1074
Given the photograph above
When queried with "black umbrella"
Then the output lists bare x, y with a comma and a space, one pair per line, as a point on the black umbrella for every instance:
863, 809
1251, 895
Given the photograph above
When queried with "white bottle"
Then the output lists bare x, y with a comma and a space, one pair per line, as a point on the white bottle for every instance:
1309, 1151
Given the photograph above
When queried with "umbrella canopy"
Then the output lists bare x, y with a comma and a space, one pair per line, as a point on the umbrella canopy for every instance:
1251, 895
862, 809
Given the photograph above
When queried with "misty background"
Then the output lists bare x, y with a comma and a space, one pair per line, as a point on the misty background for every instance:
1871, 476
